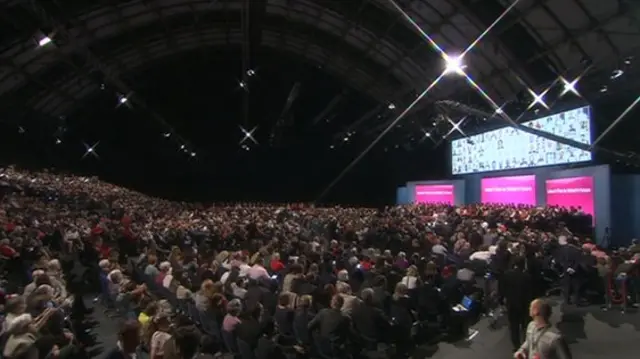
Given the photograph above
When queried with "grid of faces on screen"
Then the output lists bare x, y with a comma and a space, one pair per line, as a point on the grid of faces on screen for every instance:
508, 148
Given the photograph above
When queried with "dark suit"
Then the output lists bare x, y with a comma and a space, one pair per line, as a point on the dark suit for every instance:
333, 328
518, 292
571, 258
370, 322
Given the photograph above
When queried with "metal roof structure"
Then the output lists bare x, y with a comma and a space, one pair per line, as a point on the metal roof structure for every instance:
368, 44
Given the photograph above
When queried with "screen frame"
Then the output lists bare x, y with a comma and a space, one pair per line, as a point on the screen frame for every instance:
523, 121
531, 176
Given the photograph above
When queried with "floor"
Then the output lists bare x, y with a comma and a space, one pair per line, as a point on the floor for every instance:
590, 332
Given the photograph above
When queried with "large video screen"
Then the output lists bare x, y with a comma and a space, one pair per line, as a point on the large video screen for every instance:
508, 148
509, 190
572, 192
441, 193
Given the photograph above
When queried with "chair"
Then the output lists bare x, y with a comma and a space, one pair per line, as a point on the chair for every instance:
245, 350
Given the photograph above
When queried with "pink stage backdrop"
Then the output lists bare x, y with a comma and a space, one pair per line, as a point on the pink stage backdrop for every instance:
512, 189
440, 193
572, 192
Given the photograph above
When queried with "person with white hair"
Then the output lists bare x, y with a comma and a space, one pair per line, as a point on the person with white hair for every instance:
14, 307
165, 269
29, 288
22, 339
350, 301
54, 271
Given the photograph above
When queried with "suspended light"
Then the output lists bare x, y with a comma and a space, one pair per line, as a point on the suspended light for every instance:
453, 64
44, 41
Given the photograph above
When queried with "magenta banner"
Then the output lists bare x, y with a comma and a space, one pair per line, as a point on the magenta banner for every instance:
576, 192
511, 189
440, 193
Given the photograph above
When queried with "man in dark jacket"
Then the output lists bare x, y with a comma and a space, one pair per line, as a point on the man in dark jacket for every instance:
518, 292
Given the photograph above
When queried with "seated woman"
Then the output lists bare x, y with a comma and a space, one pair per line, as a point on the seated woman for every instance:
232, 319
21, 342
13, 308
160, 336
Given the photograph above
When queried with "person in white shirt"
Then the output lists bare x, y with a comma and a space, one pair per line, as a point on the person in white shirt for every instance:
483, 254
411, 279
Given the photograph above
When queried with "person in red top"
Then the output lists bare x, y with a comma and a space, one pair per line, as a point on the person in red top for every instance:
276, 264
6, 250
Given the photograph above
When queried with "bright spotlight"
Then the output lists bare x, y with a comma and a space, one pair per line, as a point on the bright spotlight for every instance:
46, 40
538, 99
569, 86
391, 106
123, 100
193, 154
250, 72
454, 65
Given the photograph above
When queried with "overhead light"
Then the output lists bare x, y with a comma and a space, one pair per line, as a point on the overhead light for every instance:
332, 147
44, 41
538, 99
391, 106
616, 73
569, 86
182, 147
166, 134
102, 86
58, 141
453, 64
193, 154
604, 89
242, 84
250, 72
123, 99
627, 61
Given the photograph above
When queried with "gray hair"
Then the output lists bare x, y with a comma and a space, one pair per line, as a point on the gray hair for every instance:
343, 276
367, 295
234, 307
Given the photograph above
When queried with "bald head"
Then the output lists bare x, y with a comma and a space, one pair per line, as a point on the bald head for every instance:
541, 309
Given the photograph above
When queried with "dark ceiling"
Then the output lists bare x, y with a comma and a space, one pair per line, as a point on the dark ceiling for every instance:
321, 80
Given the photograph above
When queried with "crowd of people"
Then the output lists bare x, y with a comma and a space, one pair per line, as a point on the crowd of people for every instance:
263, 280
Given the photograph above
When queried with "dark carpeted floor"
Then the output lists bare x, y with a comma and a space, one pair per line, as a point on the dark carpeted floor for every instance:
590, 332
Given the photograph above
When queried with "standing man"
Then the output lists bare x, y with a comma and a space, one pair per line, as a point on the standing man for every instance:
542, 341
518, 295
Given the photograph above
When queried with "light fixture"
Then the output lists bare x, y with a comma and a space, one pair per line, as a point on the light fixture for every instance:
569, 86
183, 147
242, 84
193, 154
166, 134
604, 89
250, 72
58, 141
248, 135
538, 99
44, 41
453, 64
627, 61
123, 100
616, 73
391, 106
90, 150
102, 86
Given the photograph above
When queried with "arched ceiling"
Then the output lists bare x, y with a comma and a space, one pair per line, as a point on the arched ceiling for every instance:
366, 43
